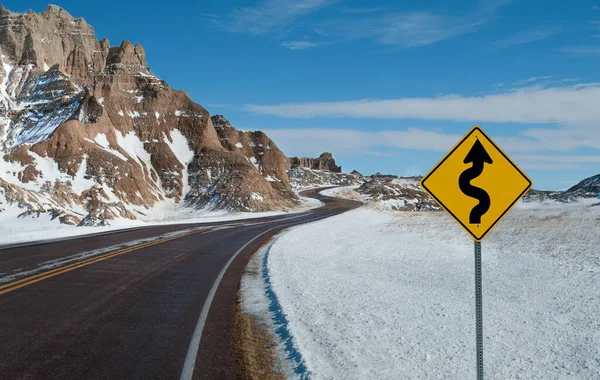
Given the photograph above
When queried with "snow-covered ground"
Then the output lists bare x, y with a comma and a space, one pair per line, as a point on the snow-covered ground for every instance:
346, 192
29, 229
391, 295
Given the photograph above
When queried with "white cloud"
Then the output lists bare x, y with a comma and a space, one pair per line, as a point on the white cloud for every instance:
527, 36
531, 80
564, 139
522, 148
352, 10
595, 24
544, 166
298, 45
269, 15
581, 50
384, 26
585, 50
559, 159
354, 141
410, 29
548, 162
403, 29
572, 105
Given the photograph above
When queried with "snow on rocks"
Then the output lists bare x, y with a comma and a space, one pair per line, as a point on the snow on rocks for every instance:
134, 147
257, 197
179, 145
255, 162
401, 194
49, 172
272, 179
45, 102
304, 178
81, 182
102, 141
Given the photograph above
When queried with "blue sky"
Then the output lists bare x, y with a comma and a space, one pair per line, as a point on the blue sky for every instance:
385, 86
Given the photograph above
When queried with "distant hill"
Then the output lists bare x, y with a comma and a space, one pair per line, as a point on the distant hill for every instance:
588, 188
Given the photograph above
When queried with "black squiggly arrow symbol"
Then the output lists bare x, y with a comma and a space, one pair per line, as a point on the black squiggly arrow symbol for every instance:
478, 156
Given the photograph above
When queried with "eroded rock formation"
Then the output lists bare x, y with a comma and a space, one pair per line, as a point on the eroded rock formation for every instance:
324, 162
89, 133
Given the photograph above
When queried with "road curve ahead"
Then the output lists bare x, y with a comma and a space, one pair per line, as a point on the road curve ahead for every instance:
146, 303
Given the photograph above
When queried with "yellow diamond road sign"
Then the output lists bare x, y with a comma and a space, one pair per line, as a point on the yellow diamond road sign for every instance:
476, 183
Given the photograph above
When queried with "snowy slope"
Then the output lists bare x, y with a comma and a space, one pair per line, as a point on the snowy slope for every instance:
390, 296
401, 194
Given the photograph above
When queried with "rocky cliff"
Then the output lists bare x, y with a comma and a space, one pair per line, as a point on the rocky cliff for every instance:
88, 133
323, 162
307, 172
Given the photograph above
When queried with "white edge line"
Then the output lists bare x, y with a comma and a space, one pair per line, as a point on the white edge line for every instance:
192, 353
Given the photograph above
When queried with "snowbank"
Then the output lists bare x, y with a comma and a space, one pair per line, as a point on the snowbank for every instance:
33, 228
255, 301
345, 192
382, 296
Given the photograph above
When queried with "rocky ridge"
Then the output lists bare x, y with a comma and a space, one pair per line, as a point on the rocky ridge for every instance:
303, 178
88, 133
384, 191
398, 194
587, 188
542, 196
324, 162
307, 172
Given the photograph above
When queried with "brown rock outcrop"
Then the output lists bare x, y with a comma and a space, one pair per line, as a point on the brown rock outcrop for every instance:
258, 148
50, 38
324, 162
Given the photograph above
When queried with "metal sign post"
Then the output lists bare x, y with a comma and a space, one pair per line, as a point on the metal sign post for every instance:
478, 311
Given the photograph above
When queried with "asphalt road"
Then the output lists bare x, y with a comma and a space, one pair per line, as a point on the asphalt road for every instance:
146, 303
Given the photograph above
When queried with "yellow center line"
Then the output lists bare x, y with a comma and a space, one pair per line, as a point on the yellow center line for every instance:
7, 288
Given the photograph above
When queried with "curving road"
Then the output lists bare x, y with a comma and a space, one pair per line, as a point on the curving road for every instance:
144, 303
